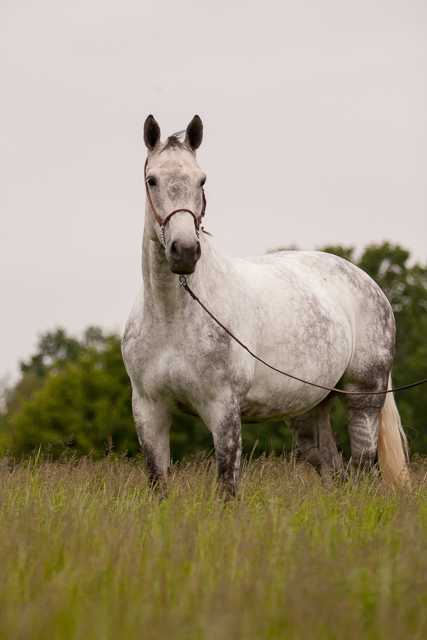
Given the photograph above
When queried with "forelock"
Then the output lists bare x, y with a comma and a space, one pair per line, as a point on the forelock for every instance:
175, 141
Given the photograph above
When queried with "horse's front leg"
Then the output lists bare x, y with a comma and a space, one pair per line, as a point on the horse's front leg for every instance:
153, 422
223, 420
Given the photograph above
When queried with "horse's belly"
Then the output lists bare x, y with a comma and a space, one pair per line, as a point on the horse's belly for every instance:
280, 404
274, 396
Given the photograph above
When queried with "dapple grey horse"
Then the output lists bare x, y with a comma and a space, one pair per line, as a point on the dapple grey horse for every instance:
312, 313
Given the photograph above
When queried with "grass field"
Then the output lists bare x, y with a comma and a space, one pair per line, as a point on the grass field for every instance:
87, 553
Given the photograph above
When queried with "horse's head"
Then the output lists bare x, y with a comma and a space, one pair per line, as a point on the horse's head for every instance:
174, 184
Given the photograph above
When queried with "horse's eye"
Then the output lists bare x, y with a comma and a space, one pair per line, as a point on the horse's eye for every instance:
151, 182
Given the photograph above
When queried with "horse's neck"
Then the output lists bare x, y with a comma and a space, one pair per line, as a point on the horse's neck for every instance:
159, 281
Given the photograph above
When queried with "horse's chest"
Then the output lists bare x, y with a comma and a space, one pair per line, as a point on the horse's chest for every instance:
185, 366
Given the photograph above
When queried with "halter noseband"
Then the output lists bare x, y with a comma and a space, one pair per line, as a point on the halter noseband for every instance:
162, 225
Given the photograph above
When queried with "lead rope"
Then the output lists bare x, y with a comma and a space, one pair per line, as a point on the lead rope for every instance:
184, 284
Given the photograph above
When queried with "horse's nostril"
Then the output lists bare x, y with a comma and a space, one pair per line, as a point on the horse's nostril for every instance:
183, 256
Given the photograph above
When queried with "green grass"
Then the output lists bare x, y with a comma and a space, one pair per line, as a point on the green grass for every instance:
88, 553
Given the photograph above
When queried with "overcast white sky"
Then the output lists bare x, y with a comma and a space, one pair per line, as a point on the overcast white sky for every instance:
315, 133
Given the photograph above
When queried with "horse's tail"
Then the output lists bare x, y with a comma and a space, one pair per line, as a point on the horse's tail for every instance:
392, 444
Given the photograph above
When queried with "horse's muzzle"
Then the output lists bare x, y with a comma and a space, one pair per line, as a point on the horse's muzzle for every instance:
182, 256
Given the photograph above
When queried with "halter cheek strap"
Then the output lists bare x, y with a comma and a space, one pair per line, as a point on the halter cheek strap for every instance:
163, 223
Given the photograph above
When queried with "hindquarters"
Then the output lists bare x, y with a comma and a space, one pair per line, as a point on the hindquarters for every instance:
376, 436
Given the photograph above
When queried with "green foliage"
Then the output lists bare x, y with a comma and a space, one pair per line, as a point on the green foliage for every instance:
80, 394
77, 391
55, 349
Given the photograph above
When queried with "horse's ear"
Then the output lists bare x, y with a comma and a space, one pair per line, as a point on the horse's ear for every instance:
194, 133
151, 133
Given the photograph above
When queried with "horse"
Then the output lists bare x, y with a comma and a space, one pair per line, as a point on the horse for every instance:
317, 314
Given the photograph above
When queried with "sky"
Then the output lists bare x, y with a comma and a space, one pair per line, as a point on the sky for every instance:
315, 133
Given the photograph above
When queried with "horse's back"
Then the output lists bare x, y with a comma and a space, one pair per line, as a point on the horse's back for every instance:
307, 278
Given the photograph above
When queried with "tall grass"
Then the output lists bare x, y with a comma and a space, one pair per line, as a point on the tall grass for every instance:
88, 553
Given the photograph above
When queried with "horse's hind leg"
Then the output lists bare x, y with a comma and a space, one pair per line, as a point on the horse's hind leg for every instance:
364, 414
313, 435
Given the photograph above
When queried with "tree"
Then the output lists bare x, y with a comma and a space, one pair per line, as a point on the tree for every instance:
72, 391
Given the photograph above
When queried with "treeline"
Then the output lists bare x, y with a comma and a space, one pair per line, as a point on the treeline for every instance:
76, 394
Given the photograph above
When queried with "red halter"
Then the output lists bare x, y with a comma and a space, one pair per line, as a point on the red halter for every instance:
162, 225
